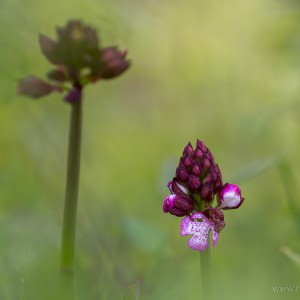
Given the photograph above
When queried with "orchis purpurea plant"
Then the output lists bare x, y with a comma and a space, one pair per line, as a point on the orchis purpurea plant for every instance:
78, 60
195, 187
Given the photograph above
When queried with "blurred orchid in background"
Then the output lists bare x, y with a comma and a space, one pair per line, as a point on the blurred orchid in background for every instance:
79, 60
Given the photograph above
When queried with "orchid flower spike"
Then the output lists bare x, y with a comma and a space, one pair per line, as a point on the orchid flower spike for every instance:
197, 183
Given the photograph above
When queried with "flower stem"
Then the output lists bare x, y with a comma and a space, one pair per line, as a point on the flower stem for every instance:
70, 209
206, 268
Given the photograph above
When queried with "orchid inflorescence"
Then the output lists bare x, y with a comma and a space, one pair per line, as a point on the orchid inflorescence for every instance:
78, 58
198, 181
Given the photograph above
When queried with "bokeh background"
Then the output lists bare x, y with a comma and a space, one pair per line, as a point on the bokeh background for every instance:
226, 72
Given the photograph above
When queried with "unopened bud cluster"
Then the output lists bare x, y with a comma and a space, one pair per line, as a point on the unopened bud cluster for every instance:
78, 58
198, 181
198, 172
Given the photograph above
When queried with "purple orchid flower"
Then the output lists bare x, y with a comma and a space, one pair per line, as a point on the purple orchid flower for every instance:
230, 197
197, 183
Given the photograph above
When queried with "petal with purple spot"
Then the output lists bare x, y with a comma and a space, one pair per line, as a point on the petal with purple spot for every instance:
198, 226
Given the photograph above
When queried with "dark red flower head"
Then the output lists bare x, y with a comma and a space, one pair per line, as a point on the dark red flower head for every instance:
198, 172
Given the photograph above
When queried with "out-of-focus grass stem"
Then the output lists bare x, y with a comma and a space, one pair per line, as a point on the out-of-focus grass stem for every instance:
70, 209
291, 190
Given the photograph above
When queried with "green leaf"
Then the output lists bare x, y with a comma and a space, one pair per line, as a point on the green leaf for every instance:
293, 256
133, 291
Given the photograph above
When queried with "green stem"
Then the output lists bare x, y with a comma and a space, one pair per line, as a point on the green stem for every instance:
70, 209
206, 268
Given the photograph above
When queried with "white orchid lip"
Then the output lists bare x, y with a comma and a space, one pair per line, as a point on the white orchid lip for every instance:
230, 197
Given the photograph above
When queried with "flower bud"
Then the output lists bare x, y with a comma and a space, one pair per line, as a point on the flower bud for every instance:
114, 62
178, 205
177, 188
230, 197
77, 46
194, 182
188, 150
182, 174
216, 217
57, 75
74, 95
34, 87
48, 48
198, 172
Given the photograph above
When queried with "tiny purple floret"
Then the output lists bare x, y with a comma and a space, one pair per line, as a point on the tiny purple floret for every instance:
199, 227
178, 205
74, 95
168, 203
230, 197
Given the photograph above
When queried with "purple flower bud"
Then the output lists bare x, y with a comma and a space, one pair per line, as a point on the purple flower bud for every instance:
48, 48
178, 205
181, 174
177, 188
34, 87
74, 95
58, 74
209, 178
198, 170
216, 217
198, 154
188, 150
113, 62
206, 164
78, 33
201, 146
187, 162
194, 183
77, 46
205, 193
230, 197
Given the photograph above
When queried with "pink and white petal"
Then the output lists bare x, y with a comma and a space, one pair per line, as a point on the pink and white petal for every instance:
186, 226
230, 197
199, 229
198, 226
198, 242
215, 237
191, 225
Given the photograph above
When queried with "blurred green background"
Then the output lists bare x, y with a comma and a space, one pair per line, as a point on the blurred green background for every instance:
226, 72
